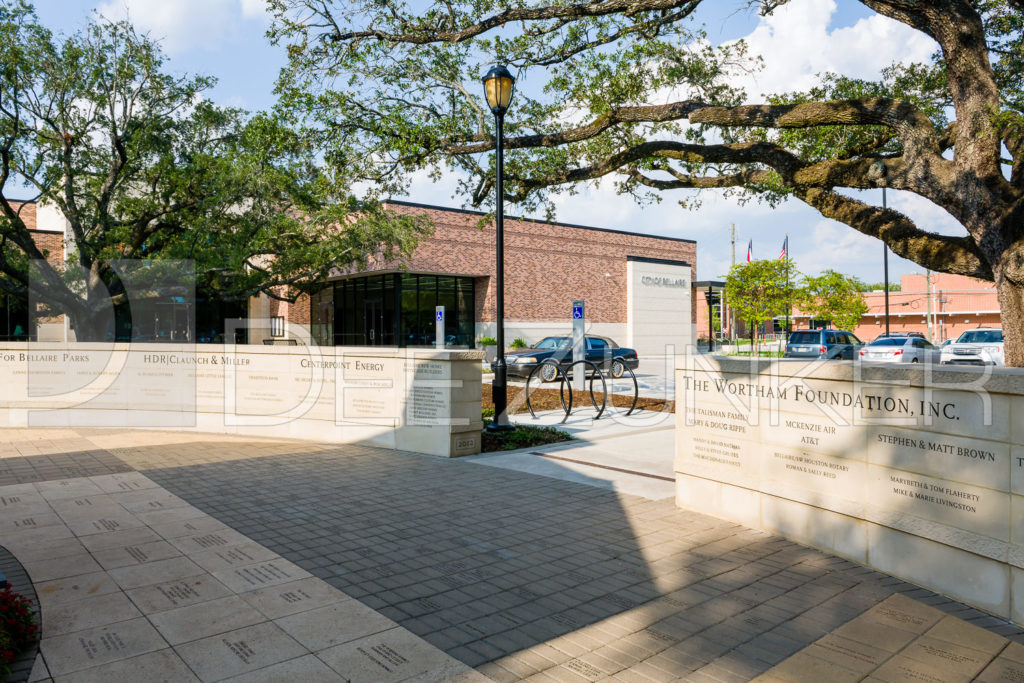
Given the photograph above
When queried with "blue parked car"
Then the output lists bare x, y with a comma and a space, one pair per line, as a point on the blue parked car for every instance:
832, 344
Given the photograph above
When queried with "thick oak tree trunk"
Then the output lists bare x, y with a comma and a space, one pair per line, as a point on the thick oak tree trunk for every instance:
1011, 307
90, 327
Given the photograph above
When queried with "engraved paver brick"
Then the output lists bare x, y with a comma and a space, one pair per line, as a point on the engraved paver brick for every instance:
204, 619
93, 647
240, 651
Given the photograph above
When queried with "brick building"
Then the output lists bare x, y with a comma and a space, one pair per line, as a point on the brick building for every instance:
957, 304
636, 287
940, 306
46, 226
199, 319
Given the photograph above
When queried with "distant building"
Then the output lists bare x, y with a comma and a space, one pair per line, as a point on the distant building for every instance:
957, 303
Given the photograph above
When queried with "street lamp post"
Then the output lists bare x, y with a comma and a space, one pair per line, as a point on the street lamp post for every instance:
498, 86
885, 266
877, 171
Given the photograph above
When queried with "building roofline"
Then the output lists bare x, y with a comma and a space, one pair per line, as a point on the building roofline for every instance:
662, 261
535, 220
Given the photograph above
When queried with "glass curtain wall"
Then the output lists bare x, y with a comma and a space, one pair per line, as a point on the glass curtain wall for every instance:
396, 310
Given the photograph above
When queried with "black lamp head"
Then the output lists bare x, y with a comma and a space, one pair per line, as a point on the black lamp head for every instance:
498, 87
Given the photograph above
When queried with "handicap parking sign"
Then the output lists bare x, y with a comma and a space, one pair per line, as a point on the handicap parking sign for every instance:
577, 310
440, 316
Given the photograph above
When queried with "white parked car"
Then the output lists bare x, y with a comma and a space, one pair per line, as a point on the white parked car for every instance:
983, 346
901, 350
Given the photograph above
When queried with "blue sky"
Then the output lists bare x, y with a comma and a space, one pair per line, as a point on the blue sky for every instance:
225, 39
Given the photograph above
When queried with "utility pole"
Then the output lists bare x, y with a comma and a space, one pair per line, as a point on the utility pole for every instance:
732, 319
789, 304
885, 261
930, 317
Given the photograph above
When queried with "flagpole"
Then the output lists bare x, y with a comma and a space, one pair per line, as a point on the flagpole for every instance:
785, 330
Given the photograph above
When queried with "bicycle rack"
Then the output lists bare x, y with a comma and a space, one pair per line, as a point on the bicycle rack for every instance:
591, 373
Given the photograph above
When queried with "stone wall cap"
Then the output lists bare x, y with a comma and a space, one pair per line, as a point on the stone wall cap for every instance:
999, 380
251, 349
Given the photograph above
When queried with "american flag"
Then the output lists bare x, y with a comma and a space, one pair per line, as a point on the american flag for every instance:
785, 248
750, 249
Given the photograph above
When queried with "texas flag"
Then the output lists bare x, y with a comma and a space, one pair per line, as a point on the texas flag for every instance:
785, 248
750, 250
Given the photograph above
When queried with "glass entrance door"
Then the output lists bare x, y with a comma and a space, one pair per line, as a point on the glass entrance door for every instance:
373, 310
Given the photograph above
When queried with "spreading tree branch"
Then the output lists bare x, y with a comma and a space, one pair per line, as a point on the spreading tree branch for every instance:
943, 253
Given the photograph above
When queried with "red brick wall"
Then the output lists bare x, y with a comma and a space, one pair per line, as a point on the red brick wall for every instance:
51, 244
27, 210
560, 261
299, 311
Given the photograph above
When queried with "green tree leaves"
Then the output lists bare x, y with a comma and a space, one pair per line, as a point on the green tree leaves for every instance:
834, 297
142, 166
760, 290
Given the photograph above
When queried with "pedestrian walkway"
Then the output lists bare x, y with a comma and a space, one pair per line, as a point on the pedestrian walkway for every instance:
901, 639
510, 573
135, 584
637, 464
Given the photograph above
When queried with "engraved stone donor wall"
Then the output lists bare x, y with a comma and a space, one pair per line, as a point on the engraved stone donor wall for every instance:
410, 399
917, 472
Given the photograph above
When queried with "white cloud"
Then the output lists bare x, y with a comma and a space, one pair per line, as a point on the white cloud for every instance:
184, 25
254, 9
796, 43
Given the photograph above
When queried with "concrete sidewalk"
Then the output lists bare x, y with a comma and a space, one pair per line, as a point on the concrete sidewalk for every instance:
638, 464
135, 584
516, 575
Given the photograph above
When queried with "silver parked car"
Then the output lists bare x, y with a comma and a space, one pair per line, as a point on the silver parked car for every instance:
982, 346
901, 350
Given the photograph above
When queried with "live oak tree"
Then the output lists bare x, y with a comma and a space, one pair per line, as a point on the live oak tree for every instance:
758, 291
628, 88
832, 296
141, 166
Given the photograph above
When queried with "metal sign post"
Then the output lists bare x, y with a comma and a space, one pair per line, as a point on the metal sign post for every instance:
579, 351
439, 327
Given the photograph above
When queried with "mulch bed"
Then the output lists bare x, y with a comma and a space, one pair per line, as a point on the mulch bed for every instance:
547, 399
523, 436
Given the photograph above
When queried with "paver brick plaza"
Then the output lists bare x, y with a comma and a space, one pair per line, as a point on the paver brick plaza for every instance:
524, 576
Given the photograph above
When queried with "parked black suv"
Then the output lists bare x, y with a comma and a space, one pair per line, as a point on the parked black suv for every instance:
835, 344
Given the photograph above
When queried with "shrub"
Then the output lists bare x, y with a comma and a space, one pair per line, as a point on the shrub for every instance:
518, 343
487, 341
523, 436
18, 629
